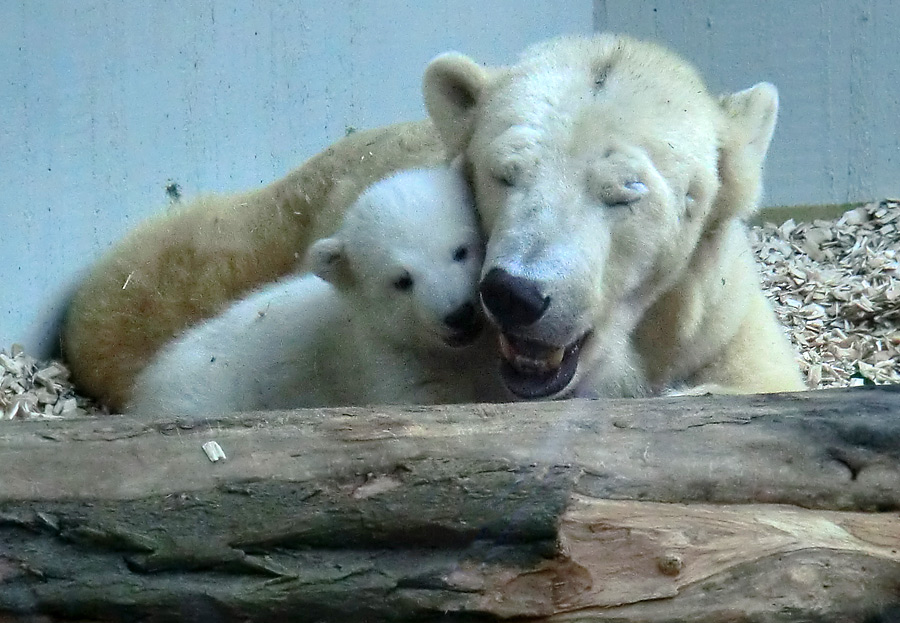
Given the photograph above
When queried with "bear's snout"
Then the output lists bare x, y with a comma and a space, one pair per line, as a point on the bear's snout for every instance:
514, 302
463, 318
464, 323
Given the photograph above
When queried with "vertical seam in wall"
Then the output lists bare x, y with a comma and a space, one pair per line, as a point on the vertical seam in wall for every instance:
827, 15
601, 15
861, 135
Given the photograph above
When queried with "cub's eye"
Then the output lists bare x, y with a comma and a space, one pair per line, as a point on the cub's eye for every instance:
460, 254
404, 283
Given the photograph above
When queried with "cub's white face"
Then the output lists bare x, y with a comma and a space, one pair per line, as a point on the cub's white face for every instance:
408, 258
594, 165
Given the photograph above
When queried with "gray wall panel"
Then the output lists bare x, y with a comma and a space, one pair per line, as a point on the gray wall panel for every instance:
105, 101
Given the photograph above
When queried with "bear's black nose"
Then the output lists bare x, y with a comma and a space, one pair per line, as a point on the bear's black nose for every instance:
512, 301
463, 318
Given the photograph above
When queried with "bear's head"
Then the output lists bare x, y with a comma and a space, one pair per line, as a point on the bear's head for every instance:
407, 259
602, 169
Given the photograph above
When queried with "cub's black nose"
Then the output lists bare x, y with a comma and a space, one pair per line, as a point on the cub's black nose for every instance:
512, 301
463, 318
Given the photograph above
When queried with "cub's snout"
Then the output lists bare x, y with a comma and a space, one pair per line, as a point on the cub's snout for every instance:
463, 324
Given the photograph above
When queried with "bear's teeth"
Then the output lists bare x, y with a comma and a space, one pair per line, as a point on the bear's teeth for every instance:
506, 350
551, 362
525, 364
556, 357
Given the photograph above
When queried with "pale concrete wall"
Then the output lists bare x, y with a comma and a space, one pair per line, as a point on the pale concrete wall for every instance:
836, 64
105, 101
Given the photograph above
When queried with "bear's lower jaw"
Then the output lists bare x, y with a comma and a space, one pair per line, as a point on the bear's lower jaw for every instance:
532, 376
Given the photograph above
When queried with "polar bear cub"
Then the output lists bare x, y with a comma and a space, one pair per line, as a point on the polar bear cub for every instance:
390, 315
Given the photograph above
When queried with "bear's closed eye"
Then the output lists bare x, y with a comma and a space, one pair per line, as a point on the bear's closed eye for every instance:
460, 254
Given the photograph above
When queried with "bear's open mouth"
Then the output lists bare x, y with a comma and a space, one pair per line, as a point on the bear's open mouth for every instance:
533, 369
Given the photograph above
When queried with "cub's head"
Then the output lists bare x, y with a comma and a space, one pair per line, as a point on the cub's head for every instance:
600, 167
408, 259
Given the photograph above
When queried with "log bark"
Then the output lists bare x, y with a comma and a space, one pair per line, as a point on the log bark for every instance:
739, 508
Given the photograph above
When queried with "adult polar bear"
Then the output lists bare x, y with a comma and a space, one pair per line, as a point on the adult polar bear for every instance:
611, 186
613, 143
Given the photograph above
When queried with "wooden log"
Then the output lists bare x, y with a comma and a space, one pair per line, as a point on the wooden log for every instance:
746, 508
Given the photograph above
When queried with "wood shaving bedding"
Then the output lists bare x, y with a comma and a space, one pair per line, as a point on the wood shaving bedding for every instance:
836, 289
38, 389
835, 285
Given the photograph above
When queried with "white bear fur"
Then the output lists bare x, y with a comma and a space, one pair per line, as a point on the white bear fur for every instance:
698, 318
347, 335
606, 174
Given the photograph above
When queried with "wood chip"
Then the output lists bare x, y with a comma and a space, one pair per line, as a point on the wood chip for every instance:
213, 451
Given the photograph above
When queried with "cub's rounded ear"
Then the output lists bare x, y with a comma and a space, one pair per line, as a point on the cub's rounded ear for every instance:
452, 86
328, 259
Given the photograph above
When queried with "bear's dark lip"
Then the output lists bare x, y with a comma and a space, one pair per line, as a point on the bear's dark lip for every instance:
538, 380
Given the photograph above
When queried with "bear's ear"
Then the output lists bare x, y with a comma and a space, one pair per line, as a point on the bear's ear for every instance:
452, 86
749, 122
751, 115
328, 259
